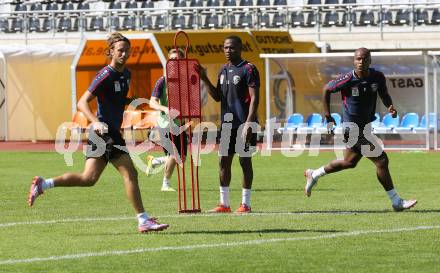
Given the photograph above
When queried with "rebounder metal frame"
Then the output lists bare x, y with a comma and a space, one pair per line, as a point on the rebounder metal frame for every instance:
183, 90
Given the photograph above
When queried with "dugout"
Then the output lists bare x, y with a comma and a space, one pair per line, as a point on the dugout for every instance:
411, 80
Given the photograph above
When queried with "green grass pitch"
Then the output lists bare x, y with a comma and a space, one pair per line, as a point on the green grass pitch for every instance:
347, 225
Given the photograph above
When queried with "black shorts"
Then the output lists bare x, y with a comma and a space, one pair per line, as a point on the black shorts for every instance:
362, 141
228, 146
113, 146
166, 141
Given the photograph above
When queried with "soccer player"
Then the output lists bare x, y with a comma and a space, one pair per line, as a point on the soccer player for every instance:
238, 92
159, 101
359, 89
110, 87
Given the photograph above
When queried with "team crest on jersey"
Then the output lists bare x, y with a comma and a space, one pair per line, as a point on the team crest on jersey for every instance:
236, 79
117, 86
374, 87
355, 91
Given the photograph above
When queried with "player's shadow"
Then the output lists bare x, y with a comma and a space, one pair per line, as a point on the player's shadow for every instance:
258, 231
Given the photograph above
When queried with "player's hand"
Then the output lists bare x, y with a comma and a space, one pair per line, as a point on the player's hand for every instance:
201, 70
99, 127
393, 111
246, 133
330, 123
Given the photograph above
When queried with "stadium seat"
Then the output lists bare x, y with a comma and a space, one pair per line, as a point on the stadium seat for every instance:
34, 24
146, 22
65, 24
17, 25
386, 17
336, 127
348, 18
367, 18
196, 3
331, 18
51, 6
348, 1
178, 21
47, 24
36, 6
149, 4
194, 21
129, 23
408, 123
115, 5
245, 20
264, 3
263, 19
20, 7
422, 126
79, 24
160, 22
211, 21
280, 3
67, 6
388, 124
245, 3
435, 19
297, 19
311, 19
229, 3
313, 122
402, 18
294, 121
83, 6
421, 17
278, 20
376, 122
113, 23
229, 20
314, 2
213, 3
97, 24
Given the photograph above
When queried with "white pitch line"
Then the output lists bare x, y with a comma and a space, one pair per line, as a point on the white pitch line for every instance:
219, 245
123, 218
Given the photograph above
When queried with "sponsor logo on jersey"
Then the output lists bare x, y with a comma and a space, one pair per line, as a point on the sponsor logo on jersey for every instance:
117, 86
236, 79
355, 91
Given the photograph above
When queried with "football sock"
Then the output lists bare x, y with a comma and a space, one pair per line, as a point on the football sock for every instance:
318, 173
224, 196
142, 218
246, 197
165, 182
394, 196
47, 184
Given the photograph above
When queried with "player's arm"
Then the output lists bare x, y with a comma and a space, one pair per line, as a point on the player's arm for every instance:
253, 106
386, 98
326, 95
155, 105
84, 107
213, 91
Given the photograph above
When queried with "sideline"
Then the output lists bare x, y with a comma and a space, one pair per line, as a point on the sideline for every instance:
205, 246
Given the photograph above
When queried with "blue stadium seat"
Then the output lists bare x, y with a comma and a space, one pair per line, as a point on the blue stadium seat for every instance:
294, 121
348, 18
34, 24
17, 25
97, 24
388, 124
36, 6
67, 6
114, 23
422, 126
211, 21
386, 17
4, 25
131, 5
47, 24
263, 3
160, 22
65, 24
311, 20
20, 7
314, 2
146, 22
115, 5
408, 123
376, 122
194, 21
313, 122
336, 127
348, 1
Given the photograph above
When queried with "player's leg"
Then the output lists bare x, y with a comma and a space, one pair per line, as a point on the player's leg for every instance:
125, 167
225, 163
170, 165
248, 176
92, 171
384, 177
350, 160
